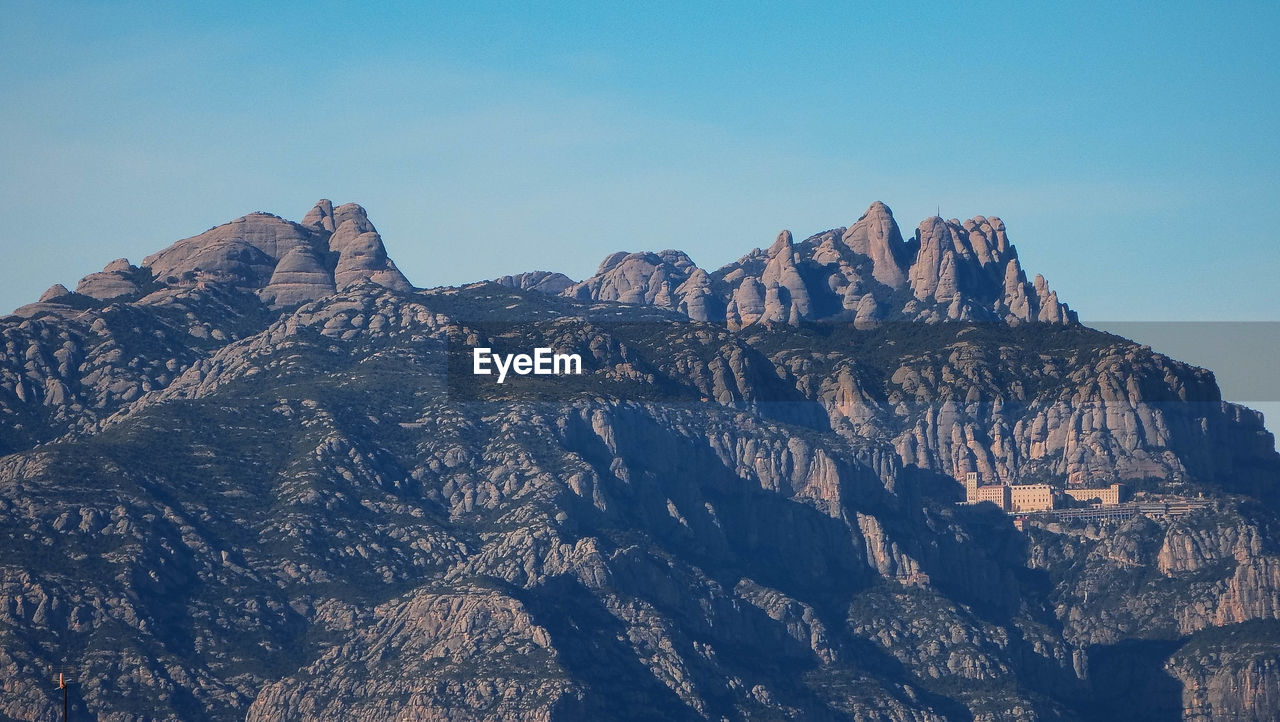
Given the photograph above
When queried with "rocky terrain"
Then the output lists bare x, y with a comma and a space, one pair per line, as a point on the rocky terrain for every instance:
253, 477
866, 273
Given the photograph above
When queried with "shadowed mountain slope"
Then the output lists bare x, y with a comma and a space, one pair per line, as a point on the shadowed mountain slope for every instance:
219, 503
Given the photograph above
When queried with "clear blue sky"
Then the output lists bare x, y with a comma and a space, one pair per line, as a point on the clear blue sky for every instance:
1133, 152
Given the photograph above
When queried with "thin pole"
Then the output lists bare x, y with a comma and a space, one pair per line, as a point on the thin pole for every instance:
63, 684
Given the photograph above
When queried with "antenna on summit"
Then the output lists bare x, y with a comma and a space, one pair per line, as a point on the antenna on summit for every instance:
64, 676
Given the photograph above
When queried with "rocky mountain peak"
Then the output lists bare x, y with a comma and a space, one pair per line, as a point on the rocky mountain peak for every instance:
956, 271
876, 235
55, 292
283, 262
936, 242
782, 243
678, 260
355, 215
649, 278
610, 261
117, 279
321, 216
542, 281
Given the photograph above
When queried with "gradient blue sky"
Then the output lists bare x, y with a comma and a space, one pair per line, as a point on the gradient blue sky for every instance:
1133, 152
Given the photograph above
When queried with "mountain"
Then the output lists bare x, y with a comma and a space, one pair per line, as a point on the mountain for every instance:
282, 262
865, 273
254, 477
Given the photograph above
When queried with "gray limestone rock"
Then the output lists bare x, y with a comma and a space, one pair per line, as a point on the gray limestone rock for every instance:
299, 277
946, 288
787, 298
320, 217
285, 262
354, 213
636, 278
876, 235
697, 298
956, 271
868, 313
232, 261
936, 239
363, 257
55, 292
114, 281
1051, 311
242, 253
541, 281
748, 304
1016, 298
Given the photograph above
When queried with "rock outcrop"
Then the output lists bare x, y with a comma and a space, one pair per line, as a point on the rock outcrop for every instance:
80, 355
954, 271
119, 278
300, 276
290, 263
1229, 676
649, 278
876, 236
242, 253
540, 281
361, 255
55, 292
286, 263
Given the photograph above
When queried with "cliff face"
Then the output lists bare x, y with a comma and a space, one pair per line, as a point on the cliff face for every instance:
1230, 674
1057, 404
316, 511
